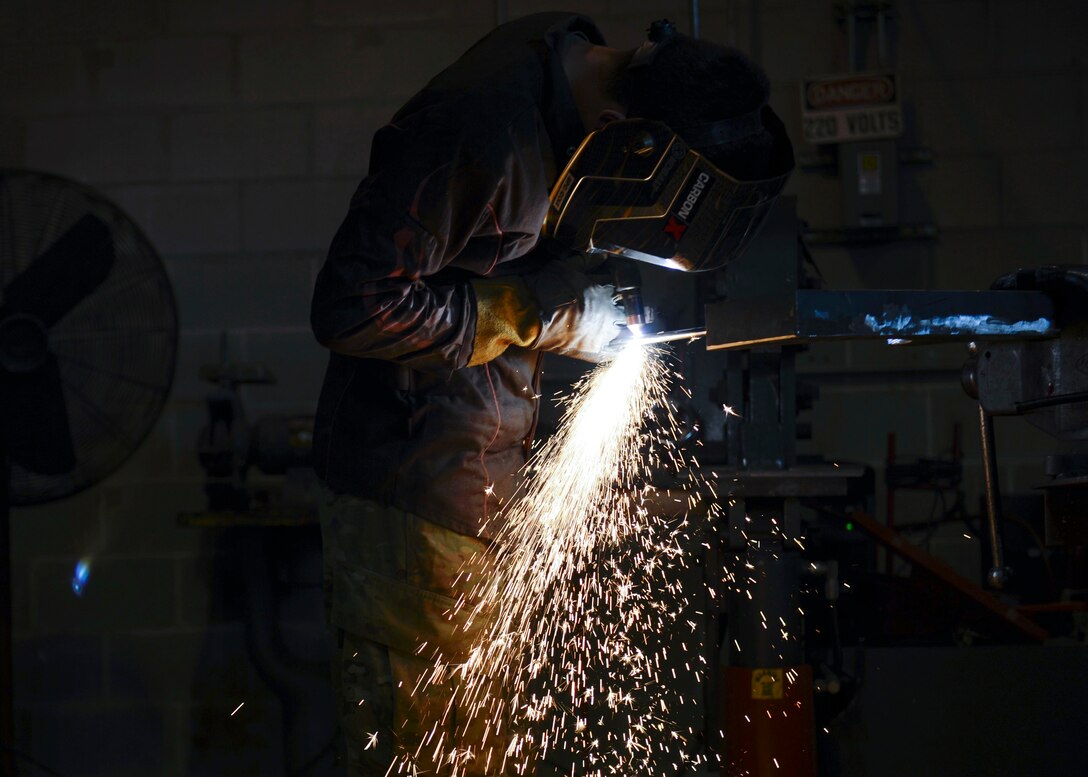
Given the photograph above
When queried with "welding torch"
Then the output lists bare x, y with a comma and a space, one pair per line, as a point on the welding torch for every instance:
628, 284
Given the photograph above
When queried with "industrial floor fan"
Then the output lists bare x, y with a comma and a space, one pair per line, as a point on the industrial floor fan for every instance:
88, 339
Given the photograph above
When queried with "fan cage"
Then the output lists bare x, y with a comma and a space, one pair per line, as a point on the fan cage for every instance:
116, 349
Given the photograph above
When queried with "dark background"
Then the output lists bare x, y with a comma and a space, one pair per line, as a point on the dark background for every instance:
234, 131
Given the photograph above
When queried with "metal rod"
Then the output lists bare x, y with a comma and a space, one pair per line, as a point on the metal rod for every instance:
695, 18
999, 573
676, 334
882, 34
851, 37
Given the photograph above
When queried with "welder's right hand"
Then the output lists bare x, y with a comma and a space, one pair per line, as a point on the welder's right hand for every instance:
554, 308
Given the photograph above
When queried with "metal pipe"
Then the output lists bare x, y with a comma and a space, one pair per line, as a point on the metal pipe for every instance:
695, 18
882, 34
999, 573
676, 334
302, 687
851, 37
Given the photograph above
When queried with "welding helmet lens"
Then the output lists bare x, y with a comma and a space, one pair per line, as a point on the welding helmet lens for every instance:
635, 189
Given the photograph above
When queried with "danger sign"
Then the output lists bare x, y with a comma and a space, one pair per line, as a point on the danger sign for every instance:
856, 106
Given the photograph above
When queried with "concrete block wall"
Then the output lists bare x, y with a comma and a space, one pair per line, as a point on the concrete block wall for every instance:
234, 131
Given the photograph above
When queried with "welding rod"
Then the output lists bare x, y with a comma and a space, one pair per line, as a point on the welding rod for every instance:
676, 334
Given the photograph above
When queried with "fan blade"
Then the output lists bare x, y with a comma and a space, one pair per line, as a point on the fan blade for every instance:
68, 271
34, 420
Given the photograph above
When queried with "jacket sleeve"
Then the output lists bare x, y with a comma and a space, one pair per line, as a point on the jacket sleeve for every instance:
429, 195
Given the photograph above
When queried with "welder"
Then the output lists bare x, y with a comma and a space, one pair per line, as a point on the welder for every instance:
439, 296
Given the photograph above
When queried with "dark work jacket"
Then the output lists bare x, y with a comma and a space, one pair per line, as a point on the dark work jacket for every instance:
457, 188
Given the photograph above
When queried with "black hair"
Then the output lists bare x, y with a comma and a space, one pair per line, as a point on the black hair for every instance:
691, 81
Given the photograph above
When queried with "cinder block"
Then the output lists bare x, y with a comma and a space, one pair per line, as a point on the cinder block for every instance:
58, 668
293, 215
819, 197
238, 291
142, 518
591, 8
121, 594
902, 265
1048, 187
828, 356
101, 148
963, 191
950, 406
348, 13
796, 43
202, 666
167, 71
876, 355
231, 145
1040, 37
11, 142
342, 136
1017, 437
731, 23
996, 114
152, 460
624, 31
973, 259
945, 39
298, 363
1025, 475
196, 349
370, 62
969, 258
122, 19
108, 741
38, 79
786, 102
83, 20
184, 218
1042, 245
676, 10
66, 526
13, 20
189, 16
247, 743
208, 588
852, 424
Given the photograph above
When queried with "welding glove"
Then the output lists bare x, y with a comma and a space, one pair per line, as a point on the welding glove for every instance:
554, 308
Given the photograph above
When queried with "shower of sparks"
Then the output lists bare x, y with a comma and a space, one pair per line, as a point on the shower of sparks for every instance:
578, 621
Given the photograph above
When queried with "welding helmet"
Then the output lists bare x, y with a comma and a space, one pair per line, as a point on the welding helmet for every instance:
639, 189
635, 189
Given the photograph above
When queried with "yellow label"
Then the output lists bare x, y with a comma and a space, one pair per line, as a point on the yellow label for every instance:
767, 684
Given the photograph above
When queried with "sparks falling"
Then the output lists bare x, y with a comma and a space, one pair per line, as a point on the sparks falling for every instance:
580, 602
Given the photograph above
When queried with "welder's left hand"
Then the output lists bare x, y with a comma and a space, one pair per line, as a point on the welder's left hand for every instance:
586, 323
554, 308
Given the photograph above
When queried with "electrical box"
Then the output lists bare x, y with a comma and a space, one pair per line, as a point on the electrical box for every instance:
869, 175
